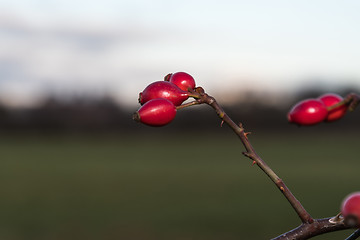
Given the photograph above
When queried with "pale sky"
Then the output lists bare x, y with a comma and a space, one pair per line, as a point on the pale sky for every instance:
118, 47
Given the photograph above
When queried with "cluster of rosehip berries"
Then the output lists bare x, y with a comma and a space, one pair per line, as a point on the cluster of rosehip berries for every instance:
160, 99
322, 109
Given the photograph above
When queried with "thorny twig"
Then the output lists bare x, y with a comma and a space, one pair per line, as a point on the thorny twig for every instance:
310, 227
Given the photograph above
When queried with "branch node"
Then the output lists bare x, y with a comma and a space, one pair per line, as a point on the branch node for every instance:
200, 90
251, 156
247, 154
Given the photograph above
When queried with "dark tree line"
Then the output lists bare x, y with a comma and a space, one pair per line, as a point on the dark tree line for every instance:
104, 115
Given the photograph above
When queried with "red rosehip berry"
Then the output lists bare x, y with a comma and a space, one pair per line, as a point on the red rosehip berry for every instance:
350, 209
181, 79
163, 89
308, 112
329, 100
156, 112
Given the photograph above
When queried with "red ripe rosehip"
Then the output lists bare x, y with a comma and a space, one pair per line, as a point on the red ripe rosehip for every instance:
329, 100
308, 112
163, 89
181, 79
156, 112
350, 209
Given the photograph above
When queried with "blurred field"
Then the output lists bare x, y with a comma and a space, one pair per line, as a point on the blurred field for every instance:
169, 187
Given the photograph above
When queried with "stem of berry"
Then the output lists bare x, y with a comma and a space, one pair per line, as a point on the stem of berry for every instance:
352, 100
250, 152
187, 105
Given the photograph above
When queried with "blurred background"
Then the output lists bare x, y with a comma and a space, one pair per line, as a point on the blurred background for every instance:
74, 165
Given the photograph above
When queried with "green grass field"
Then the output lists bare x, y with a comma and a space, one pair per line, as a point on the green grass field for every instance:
162, 187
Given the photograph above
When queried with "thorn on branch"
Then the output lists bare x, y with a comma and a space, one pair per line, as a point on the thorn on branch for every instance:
338, 218
246, 134
222, 123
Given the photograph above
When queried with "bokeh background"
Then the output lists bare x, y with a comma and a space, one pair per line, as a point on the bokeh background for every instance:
73, 164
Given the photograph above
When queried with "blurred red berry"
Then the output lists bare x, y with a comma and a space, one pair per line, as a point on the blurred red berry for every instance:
163, 89
350, 208
181, 79
329, 100
156, 112
308, 112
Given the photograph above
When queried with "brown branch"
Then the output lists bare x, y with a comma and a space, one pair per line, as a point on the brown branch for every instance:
251, 153
309, 230
310, 227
